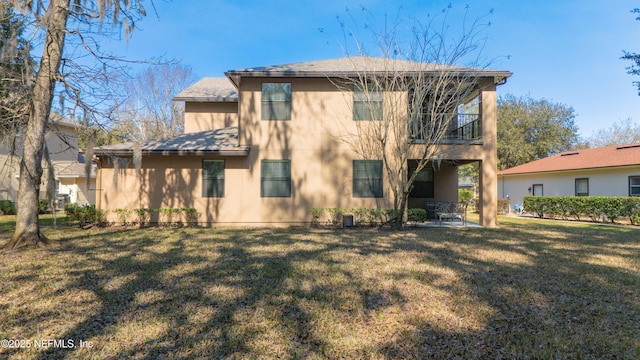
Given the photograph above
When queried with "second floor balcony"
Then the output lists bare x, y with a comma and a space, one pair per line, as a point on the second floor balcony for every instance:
446, 128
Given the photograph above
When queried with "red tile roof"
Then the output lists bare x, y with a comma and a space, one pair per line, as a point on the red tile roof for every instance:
608, 156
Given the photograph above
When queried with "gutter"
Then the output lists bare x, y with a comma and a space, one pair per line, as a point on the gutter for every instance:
244, 151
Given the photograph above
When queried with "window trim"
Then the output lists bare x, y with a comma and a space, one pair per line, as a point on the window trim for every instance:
355, 181
367, 101
263, 178
576, 193
205, 178
533, 189
633, 186
266, 103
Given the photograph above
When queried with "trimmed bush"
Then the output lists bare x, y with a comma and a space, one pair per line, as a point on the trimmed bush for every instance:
123, 216
597, 208
7, 207
418, 215
85, 215
167, 215
143, 216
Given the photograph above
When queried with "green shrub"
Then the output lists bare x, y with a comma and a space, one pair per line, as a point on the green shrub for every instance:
85, 215
316, 214
123, 216
597, 208
374, 216
465, 195
7, 207
390, 216
191, 216
417, 214
359, 215
335, 216
167, 216
143, 216
43, 206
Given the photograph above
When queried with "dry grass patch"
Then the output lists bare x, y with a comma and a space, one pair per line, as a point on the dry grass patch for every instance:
529, 289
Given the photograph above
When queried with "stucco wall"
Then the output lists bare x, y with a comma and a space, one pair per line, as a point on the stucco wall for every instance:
321, 163
209, 116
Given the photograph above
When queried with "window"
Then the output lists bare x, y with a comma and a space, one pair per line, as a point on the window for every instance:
367, 178
582, 187
212, 178
276, 178
634, 185
423, 184
367, 103
537, 190
276, 101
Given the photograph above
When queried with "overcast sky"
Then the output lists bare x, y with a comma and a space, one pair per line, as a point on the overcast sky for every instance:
567, 51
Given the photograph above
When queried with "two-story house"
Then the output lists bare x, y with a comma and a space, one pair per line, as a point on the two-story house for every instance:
262, 146
61, 141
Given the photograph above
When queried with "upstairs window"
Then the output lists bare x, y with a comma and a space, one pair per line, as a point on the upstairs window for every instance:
276, 101
367, 102
367, 178
275, 178
582, 187
212, 178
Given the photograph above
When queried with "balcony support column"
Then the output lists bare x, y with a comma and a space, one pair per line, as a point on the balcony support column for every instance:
489, 163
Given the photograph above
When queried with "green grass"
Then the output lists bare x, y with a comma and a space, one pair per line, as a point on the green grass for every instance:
528, 289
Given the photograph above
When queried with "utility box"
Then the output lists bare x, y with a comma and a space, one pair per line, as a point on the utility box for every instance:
347, 221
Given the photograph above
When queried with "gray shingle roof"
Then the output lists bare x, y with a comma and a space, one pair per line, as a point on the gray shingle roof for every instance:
73, 169
211, 142
356, 64
209, 89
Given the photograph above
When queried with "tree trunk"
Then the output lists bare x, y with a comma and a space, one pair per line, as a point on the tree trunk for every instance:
27, 233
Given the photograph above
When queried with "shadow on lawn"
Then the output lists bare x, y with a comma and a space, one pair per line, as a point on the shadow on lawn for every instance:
233, 293
557, 302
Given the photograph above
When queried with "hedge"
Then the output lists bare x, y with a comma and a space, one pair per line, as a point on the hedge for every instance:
597, 208
362, 216
7, 207
166, 216
84, 215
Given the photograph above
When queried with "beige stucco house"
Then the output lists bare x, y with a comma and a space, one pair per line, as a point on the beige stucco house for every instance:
606, 171
69, 167
262, 146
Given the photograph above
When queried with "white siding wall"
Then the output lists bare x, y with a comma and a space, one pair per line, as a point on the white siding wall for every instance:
602, 182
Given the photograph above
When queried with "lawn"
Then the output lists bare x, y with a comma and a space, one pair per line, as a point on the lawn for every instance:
528, 289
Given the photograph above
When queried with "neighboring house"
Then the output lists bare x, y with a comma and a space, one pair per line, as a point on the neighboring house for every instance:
606, 171
69, 167
261, 146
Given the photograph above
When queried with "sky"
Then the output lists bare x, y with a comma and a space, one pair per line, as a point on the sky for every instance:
565, 51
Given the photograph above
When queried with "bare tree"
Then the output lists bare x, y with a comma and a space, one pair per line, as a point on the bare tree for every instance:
149, 111
412, 94
620, 133
56, 23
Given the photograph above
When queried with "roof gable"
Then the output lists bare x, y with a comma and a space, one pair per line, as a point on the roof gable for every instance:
209, 89
608, 156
